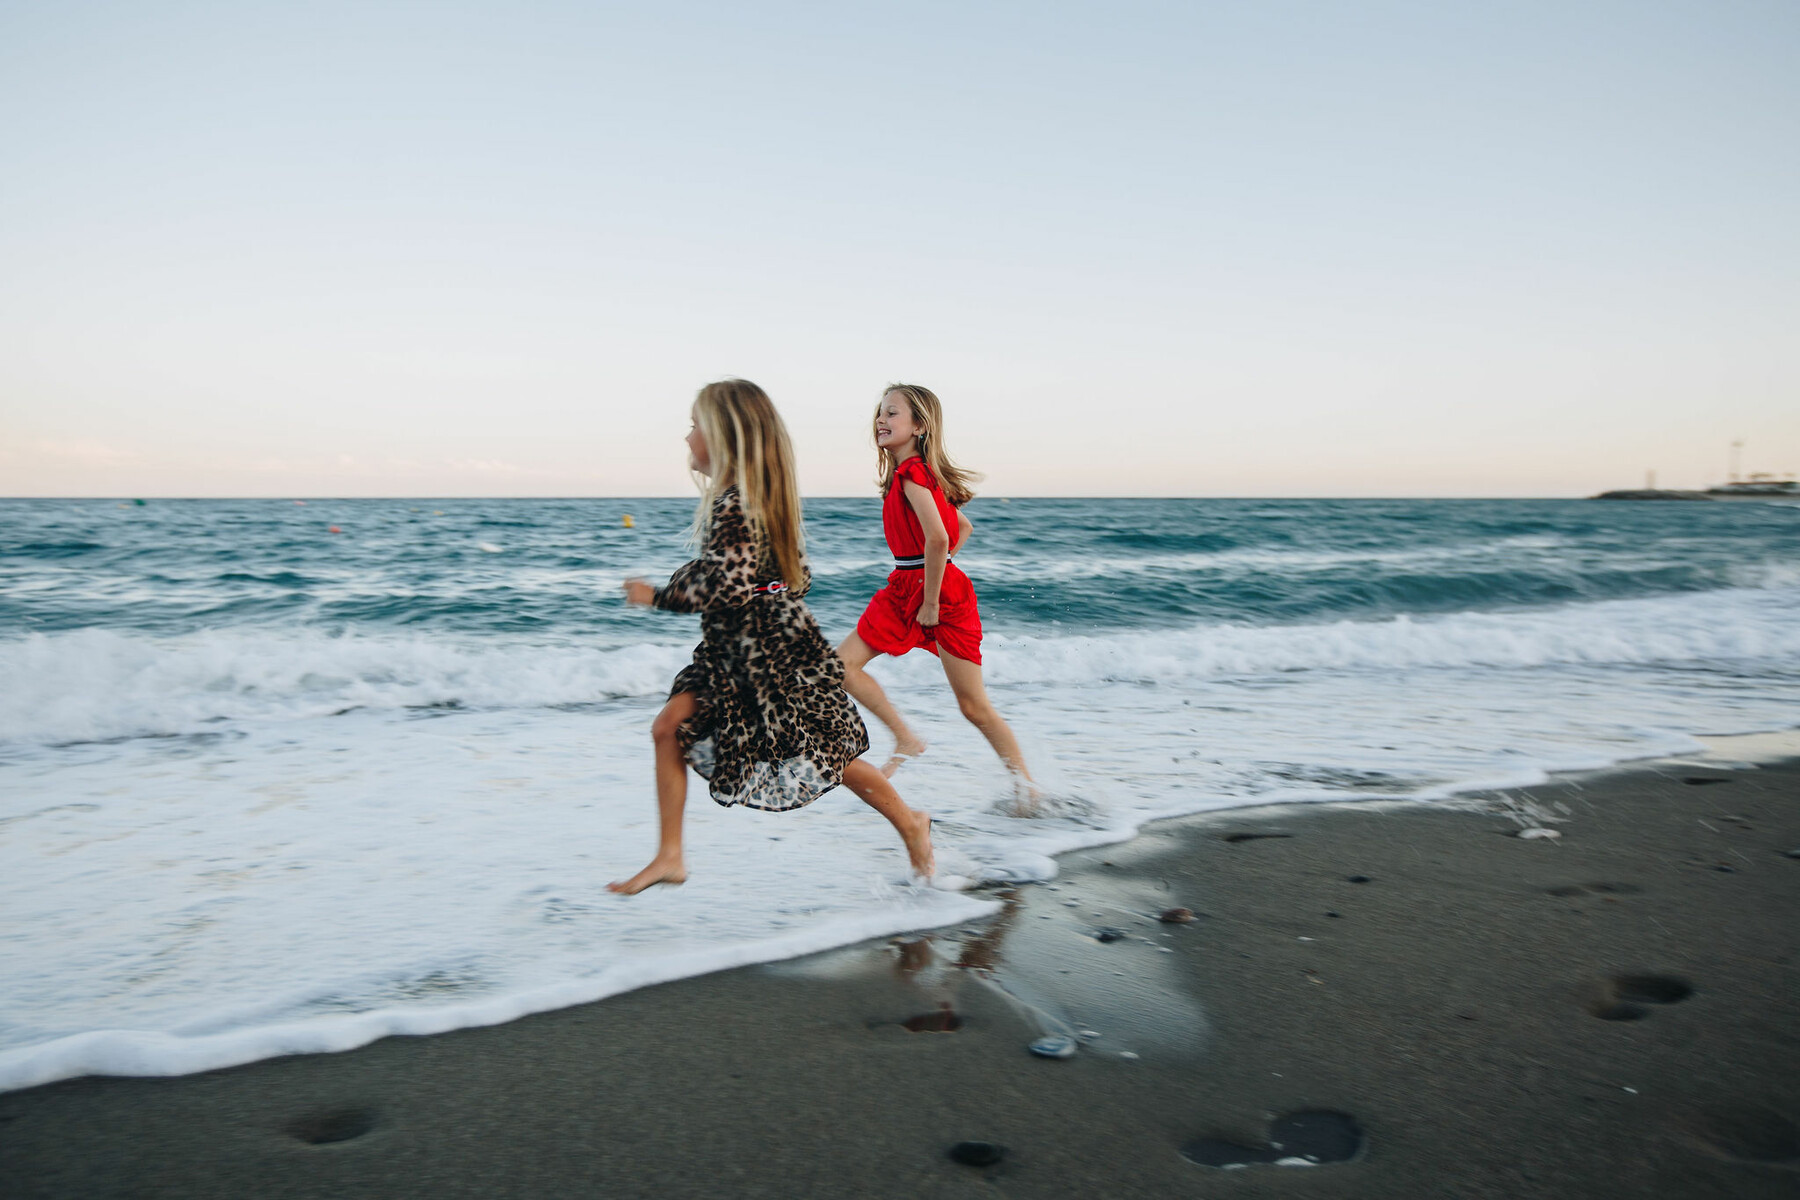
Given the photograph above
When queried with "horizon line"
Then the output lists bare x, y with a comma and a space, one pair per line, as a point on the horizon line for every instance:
127, 497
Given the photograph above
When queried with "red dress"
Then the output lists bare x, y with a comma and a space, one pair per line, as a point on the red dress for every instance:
889, 624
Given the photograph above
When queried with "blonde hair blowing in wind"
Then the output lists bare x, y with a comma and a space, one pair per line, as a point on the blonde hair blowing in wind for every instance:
748, 446
928, 415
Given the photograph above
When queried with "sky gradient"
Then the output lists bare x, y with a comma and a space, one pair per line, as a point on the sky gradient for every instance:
1301, 249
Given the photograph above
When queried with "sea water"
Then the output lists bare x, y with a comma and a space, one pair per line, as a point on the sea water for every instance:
269, 788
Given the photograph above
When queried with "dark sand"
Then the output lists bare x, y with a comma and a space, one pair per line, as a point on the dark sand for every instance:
1449, 1007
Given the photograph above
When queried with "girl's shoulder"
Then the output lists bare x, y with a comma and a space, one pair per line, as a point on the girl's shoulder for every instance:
914, 470
726, 516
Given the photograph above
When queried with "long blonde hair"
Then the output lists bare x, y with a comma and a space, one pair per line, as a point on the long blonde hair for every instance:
928, 415
748, 447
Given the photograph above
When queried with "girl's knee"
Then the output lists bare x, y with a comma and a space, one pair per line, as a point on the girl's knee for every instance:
976, 710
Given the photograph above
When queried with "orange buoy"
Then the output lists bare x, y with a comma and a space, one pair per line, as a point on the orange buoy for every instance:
335, 529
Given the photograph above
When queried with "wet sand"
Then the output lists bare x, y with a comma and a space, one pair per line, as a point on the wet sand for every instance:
1611, 1013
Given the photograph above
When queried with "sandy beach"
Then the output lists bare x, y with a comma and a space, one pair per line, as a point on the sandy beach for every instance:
1613, 1012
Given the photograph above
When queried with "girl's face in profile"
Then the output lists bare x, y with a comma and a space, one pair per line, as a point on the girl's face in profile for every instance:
894, 425
698, 459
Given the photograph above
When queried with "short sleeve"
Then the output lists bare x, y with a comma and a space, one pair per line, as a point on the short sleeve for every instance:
914, 470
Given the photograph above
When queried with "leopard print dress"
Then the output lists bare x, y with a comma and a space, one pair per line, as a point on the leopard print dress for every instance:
773, 727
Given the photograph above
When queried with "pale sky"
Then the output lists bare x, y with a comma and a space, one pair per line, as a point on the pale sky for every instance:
1326, 248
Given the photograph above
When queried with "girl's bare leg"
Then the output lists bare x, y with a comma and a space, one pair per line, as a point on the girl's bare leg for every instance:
669, 866
913, 826
972, 699
861, 685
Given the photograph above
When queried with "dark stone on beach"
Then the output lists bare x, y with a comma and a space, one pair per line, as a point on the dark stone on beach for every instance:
1727, 870
977, 1154
1332, 914
1108, 935
1360, 879
1181, 916
1792, 853
1703, 780
1234, 838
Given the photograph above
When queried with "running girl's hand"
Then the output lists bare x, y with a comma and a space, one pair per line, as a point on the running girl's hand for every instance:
639, 594
928, 615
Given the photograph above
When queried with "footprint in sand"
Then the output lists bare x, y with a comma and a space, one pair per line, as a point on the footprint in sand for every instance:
1302, 1139
1599, 889
1625, 997
944, 1020
1746, 1133
326, 1127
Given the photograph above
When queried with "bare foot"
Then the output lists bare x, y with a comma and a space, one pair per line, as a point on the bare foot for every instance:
917, 835
671, 871
1026, 798
902, 751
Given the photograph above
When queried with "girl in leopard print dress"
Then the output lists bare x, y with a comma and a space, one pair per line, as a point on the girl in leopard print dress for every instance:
761, 713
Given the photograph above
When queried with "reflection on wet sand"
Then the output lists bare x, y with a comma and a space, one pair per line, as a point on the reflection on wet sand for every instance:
1109, 988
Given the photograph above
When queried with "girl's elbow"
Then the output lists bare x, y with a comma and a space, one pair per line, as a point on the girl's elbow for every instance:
937, 541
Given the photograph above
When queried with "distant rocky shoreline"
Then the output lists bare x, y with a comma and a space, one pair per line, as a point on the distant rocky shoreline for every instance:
1676, 494
1652, 494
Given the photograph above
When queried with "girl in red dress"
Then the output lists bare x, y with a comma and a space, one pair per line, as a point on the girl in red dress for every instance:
928, 602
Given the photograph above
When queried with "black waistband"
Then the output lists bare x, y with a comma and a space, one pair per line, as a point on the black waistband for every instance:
914, 564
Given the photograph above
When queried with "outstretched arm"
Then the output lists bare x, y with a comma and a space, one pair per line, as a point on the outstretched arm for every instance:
724, 576
937, 549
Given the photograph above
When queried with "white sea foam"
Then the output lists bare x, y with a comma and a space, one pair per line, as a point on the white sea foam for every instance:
96, 684
1710, 627
298, 881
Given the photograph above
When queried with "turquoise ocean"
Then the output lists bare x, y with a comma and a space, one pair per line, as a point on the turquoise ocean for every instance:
267, 788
